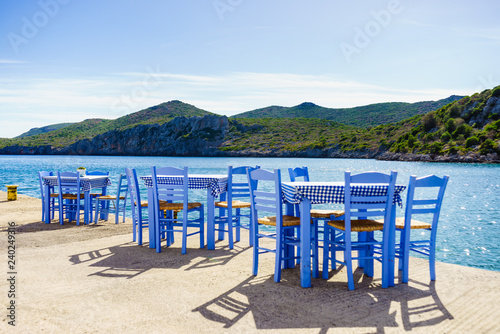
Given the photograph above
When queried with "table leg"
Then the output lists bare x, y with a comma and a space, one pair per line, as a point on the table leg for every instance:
289, 249
47, 204
305, 243
87, 206
392, 246
210, 220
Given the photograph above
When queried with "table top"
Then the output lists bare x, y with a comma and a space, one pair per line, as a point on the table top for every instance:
87, 182
216, 182
333, 192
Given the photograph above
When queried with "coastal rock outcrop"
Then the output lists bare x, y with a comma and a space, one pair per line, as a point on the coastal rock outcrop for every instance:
193, 136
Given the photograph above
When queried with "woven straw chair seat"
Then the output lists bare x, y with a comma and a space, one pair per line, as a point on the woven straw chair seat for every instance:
326, 213
287, 220
358, 225
236, 204
143, 203
54, 195
110, 197
415, 224
72, 196
178, 206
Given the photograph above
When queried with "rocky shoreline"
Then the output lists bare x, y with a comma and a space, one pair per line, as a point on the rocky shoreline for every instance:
204, 137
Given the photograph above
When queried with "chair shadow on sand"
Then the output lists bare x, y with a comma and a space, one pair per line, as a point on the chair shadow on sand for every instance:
327, 305
129, 260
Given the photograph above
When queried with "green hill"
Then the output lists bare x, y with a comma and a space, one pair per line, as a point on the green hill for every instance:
44, 129
471, 124
90, 128
463, 130
364, 116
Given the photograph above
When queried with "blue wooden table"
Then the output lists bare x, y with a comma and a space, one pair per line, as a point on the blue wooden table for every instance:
214, 184
307, 193
86, 182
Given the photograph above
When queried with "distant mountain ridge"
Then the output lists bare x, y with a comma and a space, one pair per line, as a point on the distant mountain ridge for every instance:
363, 116
43, 129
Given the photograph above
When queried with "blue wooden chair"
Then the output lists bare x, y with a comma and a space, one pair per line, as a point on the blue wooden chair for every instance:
119, 201
360, 213
428, 208
318, 216
237, 189
139, 221
70, 197
172, 198
93, 196
266, 197
52, 196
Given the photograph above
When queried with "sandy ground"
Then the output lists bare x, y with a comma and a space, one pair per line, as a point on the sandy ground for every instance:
94, 279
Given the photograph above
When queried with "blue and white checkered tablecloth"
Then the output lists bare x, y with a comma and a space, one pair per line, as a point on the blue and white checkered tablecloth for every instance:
87, 183
333, 192
216, 183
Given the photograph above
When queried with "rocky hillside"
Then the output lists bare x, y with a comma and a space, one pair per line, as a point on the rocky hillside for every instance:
194, 136
466, 130
90, 128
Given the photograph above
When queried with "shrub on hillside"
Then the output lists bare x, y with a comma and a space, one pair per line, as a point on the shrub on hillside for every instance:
496, 92
471, 141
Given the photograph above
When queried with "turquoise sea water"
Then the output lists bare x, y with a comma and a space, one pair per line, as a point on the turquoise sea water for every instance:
470, 217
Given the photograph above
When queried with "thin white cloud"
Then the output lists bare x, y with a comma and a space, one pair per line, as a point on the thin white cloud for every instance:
10, 61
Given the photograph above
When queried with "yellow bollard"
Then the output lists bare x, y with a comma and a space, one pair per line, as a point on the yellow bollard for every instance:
12, 192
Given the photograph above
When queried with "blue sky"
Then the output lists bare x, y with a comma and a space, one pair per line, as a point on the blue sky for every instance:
70, 60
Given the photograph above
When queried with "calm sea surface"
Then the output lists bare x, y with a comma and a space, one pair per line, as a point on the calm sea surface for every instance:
470, 218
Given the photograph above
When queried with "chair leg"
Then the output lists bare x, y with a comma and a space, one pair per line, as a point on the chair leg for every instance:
326, 252
255, 267
61, 213
238, 224
43, 210
432, 260
134, 226
139, 231
278, 257
348, 261
117, 211
184, 232
230, 228
96, 218
406, 254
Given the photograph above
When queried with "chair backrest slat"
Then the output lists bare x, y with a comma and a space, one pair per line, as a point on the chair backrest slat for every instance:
425, 202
